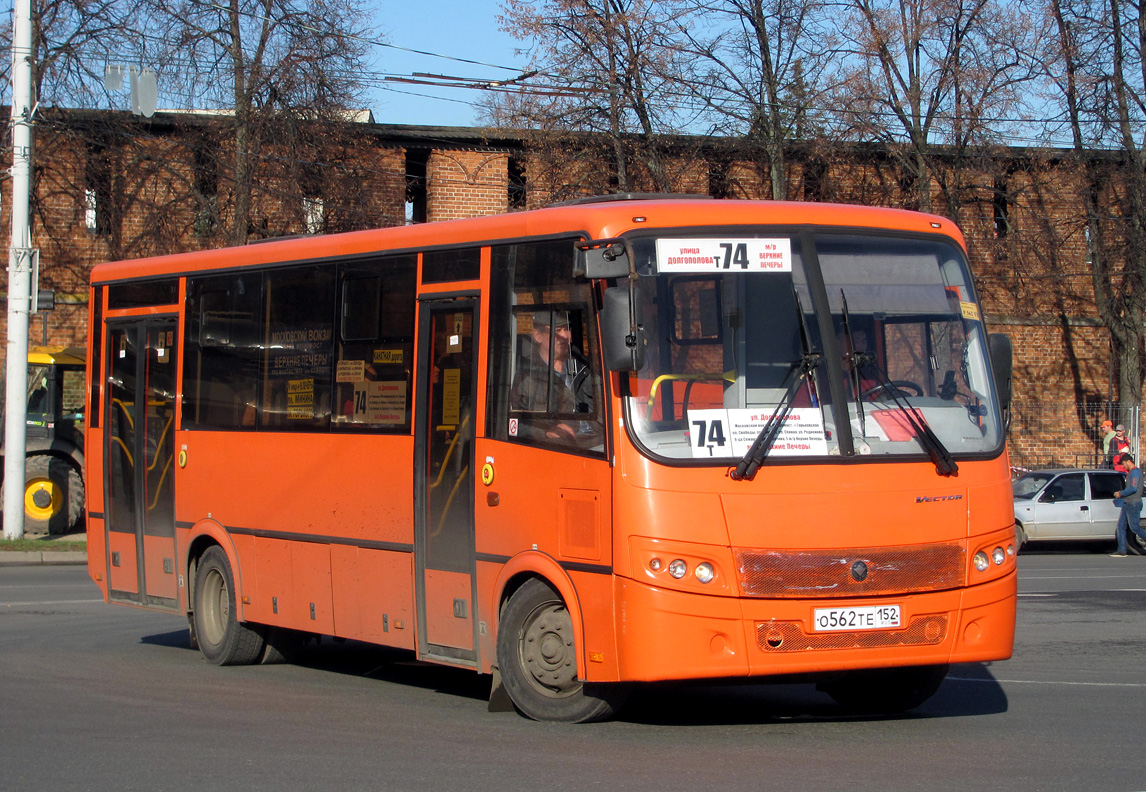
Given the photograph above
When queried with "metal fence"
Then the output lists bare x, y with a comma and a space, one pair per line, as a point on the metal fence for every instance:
1046, 435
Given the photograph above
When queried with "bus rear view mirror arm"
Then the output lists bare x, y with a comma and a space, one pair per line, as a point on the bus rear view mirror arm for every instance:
602, 258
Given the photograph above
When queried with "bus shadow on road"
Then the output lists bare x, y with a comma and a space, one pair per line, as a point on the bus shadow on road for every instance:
969, 690
358, 659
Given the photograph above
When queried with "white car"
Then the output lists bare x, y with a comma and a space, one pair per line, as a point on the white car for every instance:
1067, 505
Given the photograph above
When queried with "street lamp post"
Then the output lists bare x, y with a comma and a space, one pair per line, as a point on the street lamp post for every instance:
20, 285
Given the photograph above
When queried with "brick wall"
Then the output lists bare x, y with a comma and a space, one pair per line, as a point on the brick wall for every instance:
466, 184
1028, 250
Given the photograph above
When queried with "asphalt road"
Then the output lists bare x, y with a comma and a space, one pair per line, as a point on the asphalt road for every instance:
106, 697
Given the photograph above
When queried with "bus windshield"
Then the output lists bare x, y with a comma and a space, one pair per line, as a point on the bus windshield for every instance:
744, 339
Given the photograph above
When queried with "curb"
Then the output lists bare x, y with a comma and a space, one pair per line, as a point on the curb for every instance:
53, 557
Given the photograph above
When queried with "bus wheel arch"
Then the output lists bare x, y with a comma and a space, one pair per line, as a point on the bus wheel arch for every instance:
539, 654
203, 536
536, 565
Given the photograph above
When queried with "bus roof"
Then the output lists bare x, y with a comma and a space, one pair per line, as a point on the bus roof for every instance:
596, 220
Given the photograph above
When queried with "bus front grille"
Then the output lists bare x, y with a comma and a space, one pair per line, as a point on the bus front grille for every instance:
858, 572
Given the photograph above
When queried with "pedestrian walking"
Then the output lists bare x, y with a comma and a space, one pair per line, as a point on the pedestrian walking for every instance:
1130, 499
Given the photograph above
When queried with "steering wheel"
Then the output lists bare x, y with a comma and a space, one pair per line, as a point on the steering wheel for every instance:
894, 388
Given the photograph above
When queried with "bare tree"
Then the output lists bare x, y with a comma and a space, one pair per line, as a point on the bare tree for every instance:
1098, 72
919, 73
271, 63
605, 67
73, 40
757, 66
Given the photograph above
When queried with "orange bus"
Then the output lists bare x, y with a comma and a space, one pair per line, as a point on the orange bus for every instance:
618, 440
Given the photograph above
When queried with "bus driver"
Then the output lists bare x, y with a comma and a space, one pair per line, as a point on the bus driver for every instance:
561, 385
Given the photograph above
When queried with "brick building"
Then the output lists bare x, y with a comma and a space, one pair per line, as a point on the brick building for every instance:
111, 185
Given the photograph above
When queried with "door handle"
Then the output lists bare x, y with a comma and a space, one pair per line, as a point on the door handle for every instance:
1084, 508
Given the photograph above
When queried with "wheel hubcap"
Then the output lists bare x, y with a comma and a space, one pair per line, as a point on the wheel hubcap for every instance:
42, 499
547, 651
216, 607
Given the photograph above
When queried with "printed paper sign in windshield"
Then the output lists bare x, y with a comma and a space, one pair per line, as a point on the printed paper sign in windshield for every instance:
724, 255
730, 433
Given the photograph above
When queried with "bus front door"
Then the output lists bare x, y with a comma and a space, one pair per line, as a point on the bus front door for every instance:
444, 476
139, 462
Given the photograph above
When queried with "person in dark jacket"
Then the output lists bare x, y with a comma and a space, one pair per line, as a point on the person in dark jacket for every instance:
1131, 503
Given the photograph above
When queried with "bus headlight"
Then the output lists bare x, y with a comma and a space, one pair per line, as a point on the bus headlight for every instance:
678, 569
704, 572
656, 565
998, 556
981, 561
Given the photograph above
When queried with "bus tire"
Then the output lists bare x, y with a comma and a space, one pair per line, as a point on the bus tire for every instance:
223, 640
53, 495
537, 660
885, 691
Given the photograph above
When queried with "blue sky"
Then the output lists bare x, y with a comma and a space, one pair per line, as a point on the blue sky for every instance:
465, 29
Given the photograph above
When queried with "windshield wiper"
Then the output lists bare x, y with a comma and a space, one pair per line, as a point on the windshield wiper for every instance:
800, 370
854, 358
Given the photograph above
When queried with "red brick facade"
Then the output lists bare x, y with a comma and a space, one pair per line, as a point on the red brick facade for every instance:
1022, 213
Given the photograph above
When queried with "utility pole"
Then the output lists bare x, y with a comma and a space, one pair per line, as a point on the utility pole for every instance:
20, 285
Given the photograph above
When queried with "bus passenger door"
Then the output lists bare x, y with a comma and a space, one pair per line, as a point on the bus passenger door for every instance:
140, 462
444, 476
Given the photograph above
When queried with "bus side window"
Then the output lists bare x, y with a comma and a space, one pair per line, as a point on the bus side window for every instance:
299, 339
375, 345
223, 352
545, 376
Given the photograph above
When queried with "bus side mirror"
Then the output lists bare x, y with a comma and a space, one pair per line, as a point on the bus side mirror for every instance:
1001, 365
601, 258
622, 332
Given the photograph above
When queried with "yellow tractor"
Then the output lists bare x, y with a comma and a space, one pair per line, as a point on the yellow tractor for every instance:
54, 451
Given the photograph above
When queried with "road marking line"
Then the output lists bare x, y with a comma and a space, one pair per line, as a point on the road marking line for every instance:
1050, 682
1079, 577
1074, 591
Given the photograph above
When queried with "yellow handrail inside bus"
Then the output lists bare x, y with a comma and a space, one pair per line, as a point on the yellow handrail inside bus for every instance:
162, 478
126, 412
450, 451
159, 444
450, 500
728, 376
126, 450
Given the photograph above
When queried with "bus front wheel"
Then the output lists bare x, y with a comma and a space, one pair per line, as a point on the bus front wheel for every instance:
223, 640
538, 663
885, 691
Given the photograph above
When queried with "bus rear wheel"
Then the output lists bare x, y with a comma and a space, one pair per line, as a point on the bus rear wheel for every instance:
222, 639
538, 662
885, 691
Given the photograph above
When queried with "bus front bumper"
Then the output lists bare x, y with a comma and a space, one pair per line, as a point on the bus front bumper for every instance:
664, 634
